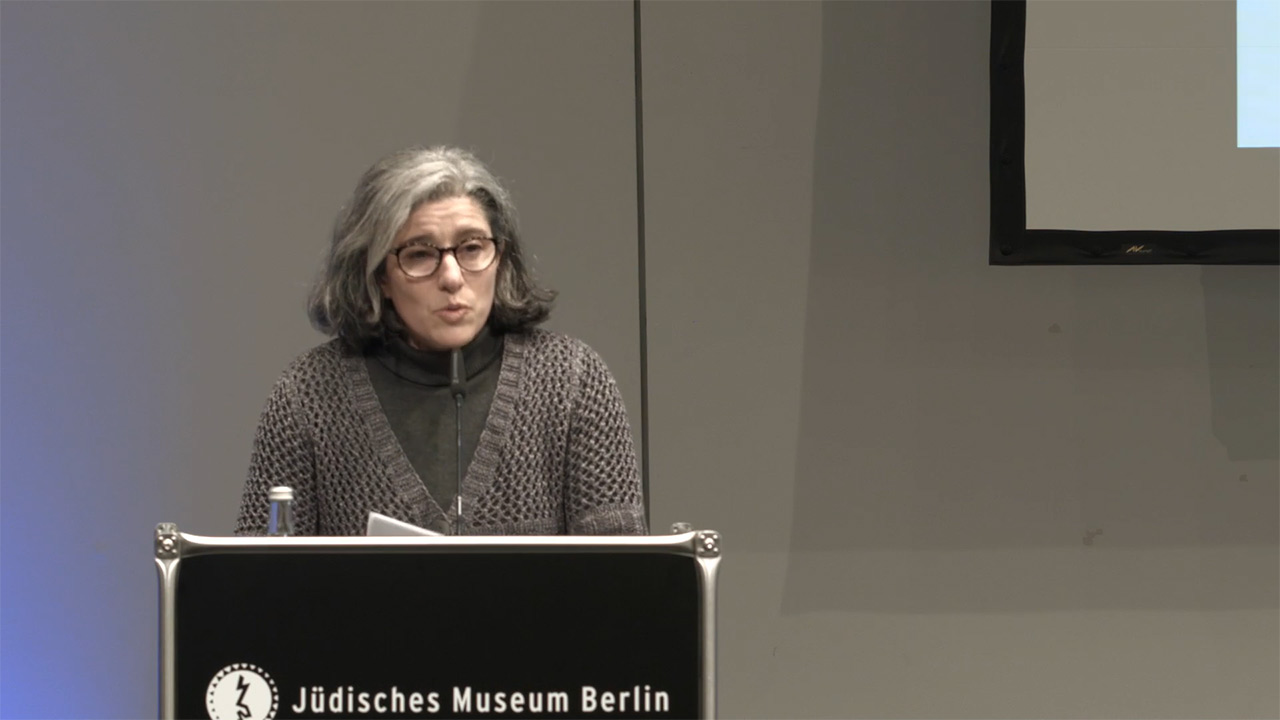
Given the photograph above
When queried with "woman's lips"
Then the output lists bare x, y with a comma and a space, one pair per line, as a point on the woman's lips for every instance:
452, 313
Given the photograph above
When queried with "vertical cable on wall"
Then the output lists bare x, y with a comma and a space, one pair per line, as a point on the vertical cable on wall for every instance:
640, 260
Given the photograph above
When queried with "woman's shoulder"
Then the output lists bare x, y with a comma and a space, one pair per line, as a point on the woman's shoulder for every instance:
322, 364
540, 346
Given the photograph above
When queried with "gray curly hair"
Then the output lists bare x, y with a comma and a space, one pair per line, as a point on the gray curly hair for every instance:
346, 299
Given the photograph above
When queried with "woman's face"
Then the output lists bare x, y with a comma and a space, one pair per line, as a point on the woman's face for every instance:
446, 309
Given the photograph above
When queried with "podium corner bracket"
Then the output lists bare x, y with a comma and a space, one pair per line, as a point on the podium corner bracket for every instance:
167, 541
708, 543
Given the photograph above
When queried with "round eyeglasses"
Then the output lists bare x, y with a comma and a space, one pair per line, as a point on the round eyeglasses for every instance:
473, 254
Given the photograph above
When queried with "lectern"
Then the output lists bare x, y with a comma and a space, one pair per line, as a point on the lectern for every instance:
437, 627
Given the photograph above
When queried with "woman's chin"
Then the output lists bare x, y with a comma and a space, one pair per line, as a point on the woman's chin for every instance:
444, 339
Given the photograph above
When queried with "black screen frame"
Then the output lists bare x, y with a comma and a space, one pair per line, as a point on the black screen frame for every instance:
1013, 243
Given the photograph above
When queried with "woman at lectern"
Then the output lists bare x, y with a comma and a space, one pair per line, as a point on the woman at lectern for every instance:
437, 364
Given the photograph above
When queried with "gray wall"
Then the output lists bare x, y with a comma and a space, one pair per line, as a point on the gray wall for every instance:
946, 489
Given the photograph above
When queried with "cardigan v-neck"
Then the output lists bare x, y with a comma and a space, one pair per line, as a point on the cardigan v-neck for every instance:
403, 396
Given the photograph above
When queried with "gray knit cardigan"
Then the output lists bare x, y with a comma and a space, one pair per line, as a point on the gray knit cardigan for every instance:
555, 455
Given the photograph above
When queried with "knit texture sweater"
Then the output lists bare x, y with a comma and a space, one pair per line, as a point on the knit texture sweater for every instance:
555, 455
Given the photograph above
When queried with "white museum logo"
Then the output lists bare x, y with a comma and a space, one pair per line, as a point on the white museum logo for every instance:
242, 691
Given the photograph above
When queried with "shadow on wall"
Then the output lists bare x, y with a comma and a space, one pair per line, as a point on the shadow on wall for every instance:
955, 456
1242, 324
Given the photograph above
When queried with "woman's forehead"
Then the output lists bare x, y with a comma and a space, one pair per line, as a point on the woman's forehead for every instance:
446, 216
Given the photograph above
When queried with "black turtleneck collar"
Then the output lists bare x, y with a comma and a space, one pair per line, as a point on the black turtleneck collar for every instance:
431, 367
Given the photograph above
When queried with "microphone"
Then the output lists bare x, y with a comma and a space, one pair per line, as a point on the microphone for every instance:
458, 388
457, 375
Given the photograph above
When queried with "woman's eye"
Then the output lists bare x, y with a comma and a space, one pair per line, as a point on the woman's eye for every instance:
418, 253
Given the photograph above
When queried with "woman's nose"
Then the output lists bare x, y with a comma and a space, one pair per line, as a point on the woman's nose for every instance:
450, 274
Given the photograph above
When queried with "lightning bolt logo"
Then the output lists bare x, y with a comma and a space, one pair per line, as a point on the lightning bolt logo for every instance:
253, 696
242, 710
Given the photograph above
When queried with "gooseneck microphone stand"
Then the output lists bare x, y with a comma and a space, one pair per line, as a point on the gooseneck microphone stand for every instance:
458, 388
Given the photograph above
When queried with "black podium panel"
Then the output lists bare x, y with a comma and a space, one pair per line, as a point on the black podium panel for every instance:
468, 635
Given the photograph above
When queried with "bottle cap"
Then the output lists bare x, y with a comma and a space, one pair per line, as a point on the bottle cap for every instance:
280, 493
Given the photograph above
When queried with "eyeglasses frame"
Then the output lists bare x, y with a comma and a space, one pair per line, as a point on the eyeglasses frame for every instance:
497, 241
